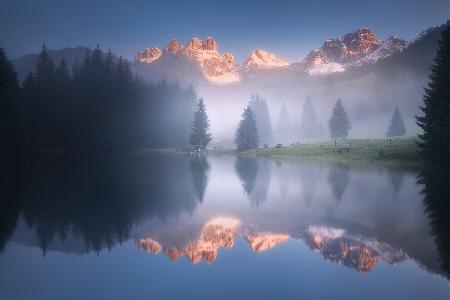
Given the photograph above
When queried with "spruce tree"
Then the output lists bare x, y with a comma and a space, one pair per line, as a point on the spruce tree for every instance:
263, 123
9, 100
309, 126
8, 77
45, 71
284, 123
397, 126
200, 128
246, 136
63, 76
435, 122
339, 124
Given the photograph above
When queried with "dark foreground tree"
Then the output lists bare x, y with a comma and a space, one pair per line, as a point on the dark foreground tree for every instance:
397, 126
339, 124
259, 107
200, 134
246, 136
435, 121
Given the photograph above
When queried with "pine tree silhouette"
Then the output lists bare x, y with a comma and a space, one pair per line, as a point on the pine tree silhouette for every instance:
435, 121
200, 128
339, 124
246, 136
259, 107
397, 126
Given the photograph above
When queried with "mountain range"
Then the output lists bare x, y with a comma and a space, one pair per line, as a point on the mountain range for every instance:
202, 59
351, 50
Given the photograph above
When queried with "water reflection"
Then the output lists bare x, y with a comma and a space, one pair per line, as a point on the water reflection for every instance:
339, 178
436, 192
396, 177
247, 169
80, 205
199, 167
95, 200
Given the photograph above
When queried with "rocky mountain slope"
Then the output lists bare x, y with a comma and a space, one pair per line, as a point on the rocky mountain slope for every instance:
351, 50
216, 67
357, 48
201, 59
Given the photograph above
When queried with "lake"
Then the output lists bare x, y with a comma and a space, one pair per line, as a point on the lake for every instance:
173, 226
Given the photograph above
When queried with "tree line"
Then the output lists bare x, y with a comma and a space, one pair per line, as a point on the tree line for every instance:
99, 103
255, 127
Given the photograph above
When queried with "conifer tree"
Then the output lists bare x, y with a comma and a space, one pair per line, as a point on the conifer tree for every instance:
339, 124
259, 106
309, 126
435, 122
200, 128
283, 123
397, 126
9, 99
63, 76
45, 70
246, 136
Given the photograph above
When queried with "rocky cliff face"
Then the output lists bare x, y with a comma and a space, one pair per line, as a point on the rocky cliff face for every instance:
335, 55
357, 48
215, 67
149, 55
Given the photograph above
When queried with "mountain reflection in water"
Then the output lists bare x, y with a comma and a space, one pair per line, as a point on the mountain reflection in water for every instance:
190, 206
334, 244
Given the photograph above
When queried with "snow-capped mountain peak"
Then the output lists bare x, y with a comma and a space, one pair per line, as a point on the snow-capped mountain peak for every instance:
149, 55
352, 49
203, 56
215, 67
262, 59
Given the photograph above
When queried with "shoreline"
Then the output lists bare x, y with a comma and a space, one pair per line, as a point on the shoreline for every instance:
400, 152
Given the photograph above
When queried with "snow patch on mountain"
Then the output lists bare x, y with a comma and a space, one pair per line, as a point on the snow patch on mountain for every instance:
327, 68
386, 48
353, 49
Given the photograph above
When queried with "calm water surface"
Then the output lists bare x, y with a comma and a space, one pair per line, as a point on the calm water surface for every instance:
221, 227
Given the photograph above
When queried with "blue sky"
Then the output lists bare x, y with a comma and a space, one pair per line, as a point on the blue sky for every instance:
290, 28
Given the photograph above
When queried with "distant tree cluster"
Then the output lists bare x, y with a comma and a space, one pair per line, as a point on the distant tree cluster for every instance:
98, 103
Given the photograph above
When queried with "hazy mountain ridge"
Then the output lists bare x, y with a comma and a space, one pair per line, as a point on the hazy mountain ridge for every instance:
201, 60
345, 53
26, 63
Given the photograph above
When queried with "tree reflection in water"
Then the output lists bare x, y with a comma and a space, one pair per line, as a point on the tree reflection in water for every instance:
436, 199
97, 199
